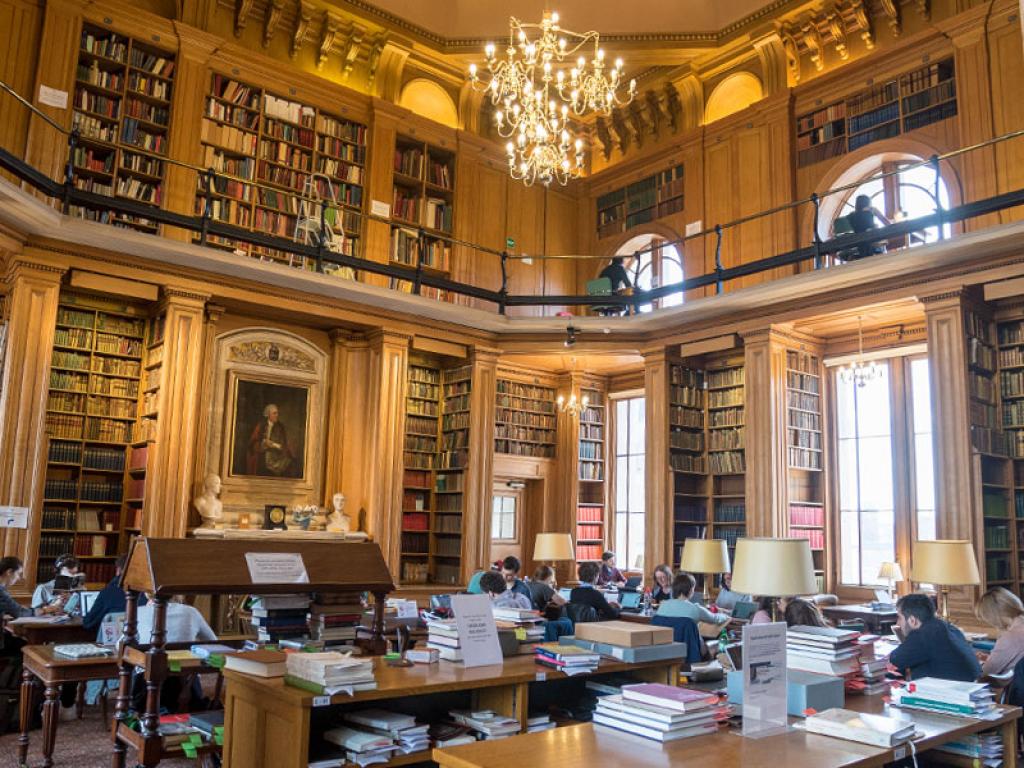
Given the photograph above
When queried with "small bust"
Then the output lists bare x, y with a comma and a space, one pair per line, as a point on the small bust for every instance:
338, 521
210, 508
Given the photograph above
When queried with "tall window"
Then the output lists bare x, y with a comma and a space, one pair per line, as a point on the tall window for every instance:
658, 265
503, 517
924, 468
630, 415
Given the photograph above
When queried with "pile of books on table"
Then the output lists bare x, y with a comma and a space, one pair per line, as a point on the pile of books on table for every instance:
333, 619
329, 673
528, 625
280, 617
824, 650
485, 723
985, 749
870, 676
406, 735
443, 635
175, 730
661, 712
948, 697
570, 659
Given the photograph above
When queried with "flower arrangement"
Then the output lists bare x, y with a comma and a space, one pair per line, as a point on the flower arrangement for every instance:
302, 515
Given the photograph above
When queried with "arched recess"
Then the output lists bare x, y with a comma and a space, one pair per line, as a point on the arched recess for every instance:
662, 265
736, 92
428, 99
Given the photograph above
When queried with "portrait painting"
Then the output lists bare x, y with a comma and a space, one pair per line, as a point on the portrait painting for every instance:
268, 430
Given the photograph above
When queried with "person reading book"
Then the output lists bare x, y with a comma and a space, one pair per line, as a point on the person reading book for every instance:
586, 595
510, 567
681, 604
47, 598
931, 647
11, 572
803, 613
1003, 610
609, 575
493, 584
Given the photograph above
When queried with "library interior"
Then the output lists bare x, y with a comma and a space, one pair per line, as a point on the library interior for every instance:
428, 383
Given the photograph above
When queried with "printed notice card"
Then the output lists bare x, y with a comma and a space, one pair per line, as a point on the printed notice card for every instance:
764, 679
276, 568
478, 634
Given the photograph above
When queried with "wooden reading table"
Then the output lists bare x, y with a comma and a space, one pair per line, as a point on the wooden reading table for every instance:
36, 631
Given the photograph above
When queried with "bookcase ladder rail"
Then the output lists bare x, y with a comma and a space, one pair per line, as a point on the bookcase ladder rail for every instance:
69, 170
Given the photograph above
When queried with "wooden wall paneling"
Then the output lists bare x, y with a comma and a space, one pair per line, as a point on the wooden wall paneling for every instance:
524, 216
488, 190
1007, 74
204, 416
479, 479
561, 237
379, 169
358, 417
168, 475
20, 30
658, 478
33, 289
337, 403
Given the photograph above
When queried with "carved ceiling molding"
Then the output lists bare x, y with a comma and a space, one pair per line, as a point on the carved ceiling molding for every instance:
811, 35
652, 114
271, 20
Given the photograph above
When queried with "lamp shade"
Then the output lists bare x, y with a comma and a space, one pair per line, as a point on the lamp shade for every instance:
944, 561
704, 556
773, 568
553, 546
890, 572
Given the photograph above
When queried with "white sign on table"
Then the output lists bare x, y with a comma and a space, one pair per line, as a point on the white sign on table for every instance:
478, 634
276, 568
764, 679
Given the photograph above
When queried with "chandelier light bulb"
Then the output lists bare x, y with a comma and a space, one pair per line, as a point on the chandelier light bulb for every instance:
554, 17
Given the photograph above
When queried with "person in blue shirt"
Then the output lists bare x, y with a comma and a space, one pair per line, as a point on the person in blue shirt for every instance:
510, 567
682, 604
494, 586
110, 599
931, 647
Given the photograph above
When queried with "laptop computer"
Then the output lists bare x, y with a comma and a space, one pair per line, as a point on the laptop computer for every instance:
743, 610
565, 593
630, 602
632, 583
80, 603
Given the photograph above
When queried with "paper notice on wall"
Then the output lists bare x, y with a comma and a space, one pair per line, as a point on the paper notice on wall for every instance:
694, 228
380, 208
276, 568
478, 634
13, 517
53, 97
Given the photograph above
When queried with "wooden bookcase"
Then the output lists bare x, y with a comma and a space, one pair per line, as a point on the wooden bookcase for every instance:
450, 480
122, 109
144, 435
296, 152
524, 420
422, 433
641, 202
91, 407
423, 201
902, 104
591, 477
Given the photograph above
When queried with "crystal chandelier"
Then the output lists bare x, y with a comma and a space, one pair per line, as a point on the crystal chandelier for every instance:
573, 405
535, 92
860, 371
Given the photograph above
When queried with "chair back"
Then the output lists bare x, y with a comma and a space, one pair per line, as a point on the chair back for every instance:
601, 286
1015, 691
842, 226
580, 613
684, 630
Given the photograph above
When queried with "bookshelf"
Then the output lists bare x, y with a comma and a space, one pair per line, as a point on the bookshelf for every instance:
902, 104
295, 152
423, 200
92, 403
641, 202
524, 420
591, 522
450, 479
144, 435
122, 109
806, 491
422, 432
1010, 361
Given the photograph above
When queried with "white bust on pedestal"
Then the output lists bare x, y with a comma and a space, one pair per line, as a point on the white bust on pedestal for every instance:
338, 521
210, 508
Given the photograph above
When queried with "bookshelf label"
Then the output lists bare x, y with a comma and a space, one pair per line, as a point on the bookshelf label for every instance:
380, 208
53, 97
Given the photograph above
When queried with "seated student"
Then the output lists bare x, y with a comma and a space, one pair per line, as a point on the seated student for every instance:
931, 647
662, 589
585, 594
616, 273
681, 604
510, 572
494, 585
803, 613
726, 598
185, 624
45, 599
863, 220
763, 614
609, 575
11, 572
473, 587
109, 600
544, 589
1004, 611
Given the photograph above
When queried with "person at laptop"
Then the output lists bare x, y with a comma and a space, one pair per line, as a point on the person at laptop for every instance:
510, 568
609, 575
727, 599
494, 585
931, 647
47, 598
1004, 611
11, 572
682, 605
585, 594
109, 600
544, 589
662, 584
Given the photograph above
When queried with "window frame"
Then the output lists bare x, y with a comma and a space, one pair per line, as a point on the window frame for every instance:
611, 537
656, 265
517, 499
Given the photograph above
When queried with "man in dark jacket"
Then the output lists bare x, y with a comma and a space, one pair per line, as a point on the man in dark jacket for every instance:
931, 647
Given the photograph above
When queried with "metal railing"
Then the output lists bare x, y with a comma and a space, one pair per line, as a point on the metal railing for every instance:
420, 274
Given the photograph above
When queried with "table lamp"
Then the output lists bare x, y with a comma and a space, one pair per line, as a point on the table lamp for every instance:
551, 547
891, 573
946, 562
706, 556
773, 568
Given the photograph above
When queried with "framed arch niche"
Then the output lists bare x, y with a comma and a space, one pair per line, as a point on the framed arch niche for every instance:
267, 421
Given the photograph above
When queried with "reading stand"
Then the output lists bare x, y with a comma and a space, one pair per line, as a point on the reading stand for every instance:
163, 568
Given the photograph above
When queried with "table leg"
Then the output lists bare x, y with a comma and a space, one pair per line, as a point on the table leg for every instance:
1009, 734
80, 700
51, 716
28, 685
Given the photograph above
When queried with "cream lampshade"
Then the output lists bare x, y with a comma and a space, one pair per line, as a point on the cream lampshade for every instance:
552, 547
707, 556
946, 562
890, 573
773, 567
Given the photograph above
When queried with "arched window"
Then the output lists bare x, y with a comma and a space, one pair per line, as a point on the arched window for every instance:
656, 266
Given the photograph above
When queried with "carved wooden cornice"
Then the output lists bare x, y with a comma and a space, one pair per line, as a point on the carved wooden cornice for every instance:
275, 9
328, 31
303, 17
652, 113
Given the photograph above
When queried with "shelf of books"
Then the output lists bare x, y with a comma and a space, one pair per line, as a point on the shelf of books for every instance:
902, 104
450, 479
122, 109
275, 160
641, 202
91, 406
423, 201
422, 432
524, 420
805, 463
144, 435
591, 523
1010, 360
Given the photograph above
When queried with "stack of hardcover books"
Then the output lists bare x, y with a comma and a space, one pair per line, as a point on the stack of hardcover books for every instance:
984, 749
570, 659
824, 650
443, 636
485, 723
333, 619
280, 617
946, 696
661, 712
329, 673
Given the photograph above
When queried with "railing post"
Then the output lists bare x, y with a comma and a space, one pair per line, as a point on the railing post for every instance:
718, 258
816, 201
504, 283
420, 245
939, 211
207, 205
69, 170
322, 239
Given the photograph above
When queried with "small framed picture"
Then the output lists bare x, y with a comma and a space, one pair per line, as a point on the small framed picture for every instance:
275, 516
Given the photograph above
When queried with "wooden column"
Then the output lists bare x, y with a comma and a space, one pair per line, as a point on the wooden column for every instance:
658, 477
379, 170
479, 480
764, 361
337, 402
171, 460
31, 306
207, 387
563, 516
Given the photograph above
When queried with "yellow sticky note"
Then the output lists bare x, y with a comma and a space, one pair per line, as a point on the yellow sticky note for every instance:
520, 633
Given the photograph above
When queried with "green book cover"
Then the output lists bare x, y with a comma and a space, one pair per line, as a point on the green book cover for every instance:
943, 706
306, 685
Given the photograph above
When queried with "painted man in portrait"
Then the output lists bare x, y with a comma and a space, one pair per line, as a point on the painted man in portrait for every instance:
268, 452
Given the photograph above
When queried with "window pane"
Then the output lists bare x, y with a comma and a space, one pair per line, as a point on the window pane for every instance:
846, 411
621, 427
878, 545
875, 472
637, 412
850, 559
921, 395
635, 554
925, 475
636, 484
873, 405
848, 485
621, 484
621, 531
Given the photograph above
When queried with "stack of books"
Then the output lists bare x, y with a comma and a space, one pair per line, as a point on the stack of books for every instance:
661, 712
527, 624
329, 673
333, 619
570, 659
824, 650
985, 749
361, 747
877, 730
278, 617
407, 736
175, 730
485, 723
259, 663
443, 635
450, 735
946, 696
539, 723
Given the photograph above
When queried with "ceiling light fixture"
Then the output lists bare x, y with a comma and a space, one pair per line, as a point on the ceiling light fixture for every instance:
859, 371
535, 92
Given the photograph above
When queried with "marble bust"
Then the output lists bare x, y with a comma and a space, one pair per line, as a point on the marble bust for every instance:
210, 508
338, 521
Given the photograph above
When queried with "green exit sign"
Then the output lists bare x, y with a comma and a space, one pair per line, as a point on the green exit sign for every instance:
510, 242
